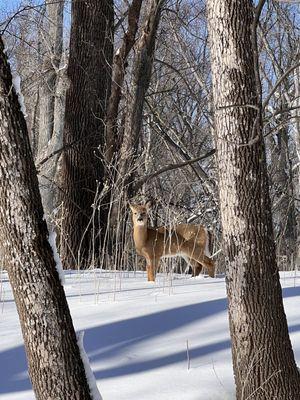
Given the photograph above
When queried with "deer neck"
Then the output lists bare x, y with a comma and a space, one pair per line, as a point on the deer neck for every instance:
140, 235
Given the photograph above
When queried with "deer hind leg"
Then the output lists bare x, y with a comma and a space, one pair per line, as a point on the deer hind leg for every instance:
198, 255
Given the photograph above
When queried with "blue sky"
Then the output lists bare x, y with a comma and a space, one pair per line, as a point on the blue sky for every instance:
9, 7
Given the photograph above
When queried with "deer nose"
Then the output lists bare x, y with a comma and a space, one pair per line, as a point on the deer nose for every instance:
140, 219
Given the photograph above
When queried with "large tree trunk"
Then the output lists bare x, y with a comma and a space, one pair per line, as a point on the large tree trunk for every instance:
263, 359
55, 365
89, 73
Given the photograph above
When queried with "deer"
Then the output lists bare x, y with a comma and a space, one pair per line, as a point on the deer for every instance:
186, 240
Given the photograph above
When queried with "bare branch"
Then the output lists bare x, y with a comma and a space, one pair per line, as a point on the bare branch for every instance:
278, 83
170, 167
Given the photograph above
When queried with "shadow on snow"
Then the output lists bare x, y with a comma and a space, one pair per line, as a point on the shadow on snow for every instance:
104, 342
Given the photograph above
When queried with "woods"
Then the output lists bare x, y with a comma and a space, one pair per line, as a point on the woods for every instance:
192, 106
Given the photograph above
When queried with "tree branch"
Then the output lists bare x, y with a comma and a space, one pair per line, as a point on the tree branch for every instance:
170, 167
291, 69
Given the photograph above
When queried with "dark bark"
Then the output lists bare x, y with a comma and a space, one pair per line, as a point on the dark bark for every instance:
55, 366
89, 73
263, 359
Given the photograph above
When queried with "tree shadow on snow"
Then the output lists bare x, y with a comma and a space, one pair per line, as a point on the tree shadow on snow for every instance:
103, 342
117, 338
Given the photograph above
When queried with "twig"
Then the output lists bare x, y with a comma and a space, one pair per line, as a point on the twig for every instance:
188, 355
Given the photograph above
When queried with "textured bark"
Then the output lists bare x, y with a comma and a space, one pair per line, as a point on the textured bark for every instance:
263, 359
55, 365
296, 114
89, 73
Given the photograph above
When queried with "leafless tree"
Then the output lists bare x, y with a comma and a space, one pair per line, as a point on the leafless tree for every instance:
55, 365
263, 360
89, 74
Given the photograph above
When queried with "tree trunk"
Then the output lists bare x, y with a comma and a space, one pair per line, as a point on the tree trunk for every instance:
129, 138
50, 100
89, 73
142, 69
296, 126
283, 185
55, 366
263, 359
118, 75
52, 52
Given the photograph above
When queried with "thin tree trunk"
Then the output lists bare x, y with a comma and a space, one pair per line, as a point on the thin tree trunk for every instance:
263, 359
296, 125
52, 52
49, 138
285, 205
55, 366
89, 73
127, 154
118, 75
142, 69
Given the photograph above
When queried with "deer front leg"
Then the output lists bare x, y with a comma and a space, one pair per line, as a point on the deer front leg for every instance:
196, 267
151, 270
210, 265
150, 273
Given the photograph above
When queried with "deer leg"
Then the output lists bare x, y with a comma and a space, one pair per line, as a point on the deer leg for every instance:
196, 267
199, 256
210, 265
197, 270
151, 271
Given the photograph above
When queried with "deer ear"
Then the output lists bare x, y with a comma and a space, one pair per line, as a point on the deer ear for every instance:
148, 205
132, 207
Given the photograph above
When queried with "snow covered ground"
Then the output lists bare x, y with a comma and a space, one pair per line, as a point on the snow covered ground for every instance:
136, 335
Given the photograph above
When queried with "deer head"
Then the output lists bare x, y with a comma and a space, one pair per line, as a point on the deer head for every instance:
140, 213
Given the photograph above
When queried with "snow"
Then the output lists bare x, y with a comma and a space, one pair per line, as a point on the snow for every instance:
16, 80
136, 335
59, 268
94, 391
